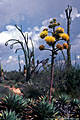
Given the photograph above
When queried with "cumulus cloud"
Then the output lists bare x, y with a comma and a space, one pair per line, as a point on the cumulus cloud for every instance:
74, 14
12, 33
11, 59
22, 62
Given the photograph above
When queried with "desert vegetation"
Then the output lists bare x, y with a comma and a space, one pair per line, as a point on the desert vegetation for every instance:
44, 90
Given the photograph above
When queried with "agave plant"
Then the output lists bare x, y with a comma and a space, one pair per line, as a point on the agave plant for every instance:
67, 107
74, 107
9, 116
61, 105
41, 109
14, 103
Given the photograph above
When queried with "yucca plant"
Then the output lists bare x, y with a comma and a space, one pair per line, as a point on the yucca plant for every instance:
41, 109
14, 103
9, 116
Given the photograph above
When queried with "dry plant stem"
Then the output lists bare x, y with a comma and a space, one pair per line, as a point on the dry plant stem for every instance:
68, 42
52, 74
68, 16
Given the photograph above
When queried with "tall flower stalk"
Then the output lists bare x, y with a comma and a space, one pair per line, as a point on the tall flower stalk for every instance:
54, 37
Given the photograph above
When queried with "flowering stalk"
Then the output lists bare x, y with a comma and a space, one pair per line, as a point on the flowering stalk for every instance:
52, 73
56, 35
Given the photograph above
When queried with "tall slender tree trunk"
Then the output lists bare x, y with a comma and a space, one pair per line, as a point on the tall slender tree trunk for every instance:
68, 42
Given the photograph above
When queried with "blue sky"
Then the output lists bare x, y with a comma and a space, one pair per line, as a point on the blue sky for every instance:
33, 15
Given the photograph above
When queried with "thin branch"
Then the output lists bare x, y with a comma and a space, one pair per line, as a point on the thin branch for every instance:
17, 49
11, 46
12, 40
48, 49
22, 34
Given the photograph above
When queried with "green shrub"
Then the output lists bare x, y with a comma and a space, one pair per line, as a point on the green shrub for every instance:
41, 109
14, 103
9, 116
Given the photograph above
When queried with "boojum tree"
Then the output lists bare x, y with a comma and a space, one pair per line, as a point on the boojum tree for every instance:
24, 46
53, 36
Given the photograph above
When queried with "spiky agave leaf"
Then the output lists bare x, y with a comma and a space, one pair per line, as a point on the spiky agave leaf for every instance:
74, 107
9, 116
64, 98
41, 109
14, 103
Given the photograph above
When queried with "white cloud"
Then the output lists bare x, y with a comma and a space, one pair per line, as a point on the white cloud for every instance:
22, 62
10, 33
36, 28
11, 59
78, 56
74, 14
46, 22
13, 33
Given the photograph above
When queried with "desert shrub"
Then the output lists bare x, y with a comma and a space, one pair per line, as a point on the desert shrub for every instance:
41, 109
15, 103
72, 81
14, 75
31, 92
68, 81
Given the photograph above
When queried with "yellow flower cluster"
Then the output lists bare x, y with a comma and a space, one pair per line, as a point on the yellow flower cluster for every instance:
59, 30
50, 40
64, 36
43, 34
61, 47
65, 45
41, 47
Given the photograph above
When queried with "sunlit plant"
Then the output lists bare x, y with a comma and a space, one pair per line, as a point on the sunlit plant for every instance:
52, 36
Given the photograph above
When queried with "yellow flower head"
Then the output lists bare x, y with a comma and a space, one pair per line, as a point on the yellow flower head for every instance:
50, 40
65, 46
43, 34
59, 46
59, 30
64, 36
41, 47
